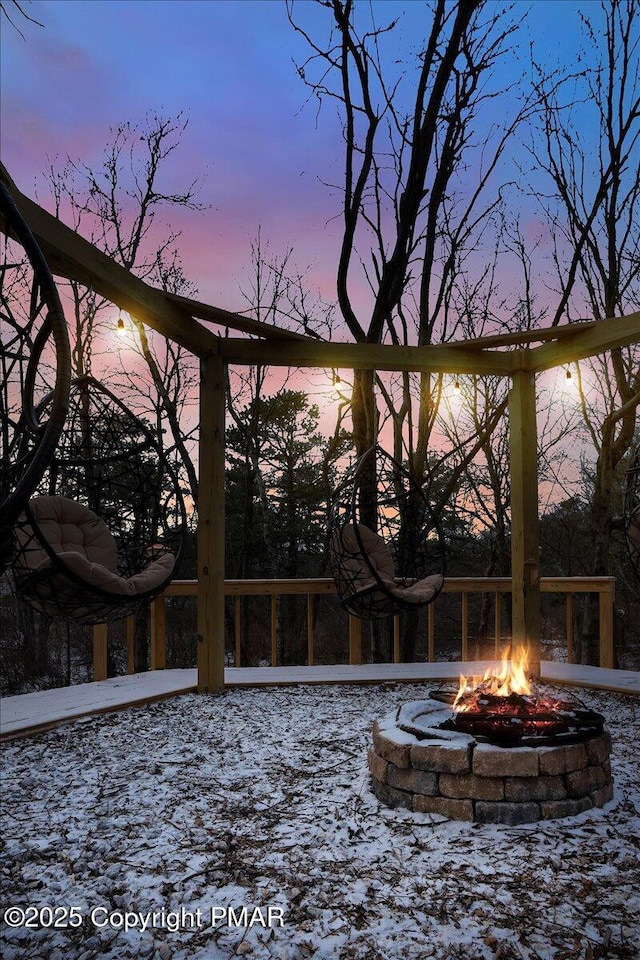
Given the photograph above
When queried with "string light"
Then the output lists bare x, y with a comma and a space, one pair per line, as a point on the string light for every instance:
120, 328
569, 376
456, 386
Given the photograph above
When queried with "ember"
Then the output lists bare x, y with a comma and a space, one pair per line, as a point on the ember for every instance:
502, 708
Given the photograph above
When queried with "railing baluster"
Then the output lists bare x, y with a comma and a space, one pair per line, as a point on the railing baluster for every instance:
274, 630
569, 628
465, 626
237, 608
431, 637
100, 651
396, 639
310, 653
158, 633
355, 640
498, 626
131, 644
606, 600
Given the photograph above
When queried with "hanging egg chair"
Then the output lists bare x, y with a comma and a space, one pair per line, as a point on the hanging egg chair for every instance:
386, 548
106, 532
35, 360
632, 511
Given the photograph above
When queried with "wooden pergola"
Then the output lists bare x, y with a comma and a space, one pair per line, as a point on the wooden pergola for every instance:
516, 356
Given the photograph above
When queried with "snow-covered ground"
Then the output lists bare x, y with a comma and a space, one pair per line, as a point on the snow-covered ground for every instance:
260, 799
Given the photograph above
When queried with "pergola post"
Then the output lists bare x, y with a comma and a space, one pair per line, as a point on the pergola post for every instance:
525, 540
211, 527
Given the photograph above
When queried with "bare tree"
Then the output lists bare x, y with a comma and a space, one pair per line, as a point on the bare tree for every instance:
594, 213
116, 206
417, 192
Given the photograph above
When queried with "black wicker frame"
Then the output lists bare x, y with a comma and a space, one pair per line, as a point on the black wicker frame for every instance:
632, 511
380, 494
109, 460
35, 357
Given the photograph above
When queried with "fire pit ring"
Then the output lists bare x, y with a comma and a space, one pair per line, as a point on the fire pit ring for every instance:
418, 765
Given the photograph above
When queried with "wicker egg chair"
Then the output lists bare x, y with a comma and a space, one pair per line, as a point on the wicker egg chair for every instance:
386, 547
106, 533
35, 360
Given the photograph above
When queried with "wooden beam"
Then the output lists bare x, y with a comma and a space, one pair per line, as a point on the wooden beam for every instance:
370, 356
211, 589
523, 336
525, 550
70, 255
602, 335
204, 311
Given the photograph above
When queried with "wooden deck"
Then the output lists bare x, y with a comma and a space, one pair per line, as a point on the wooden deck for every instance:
36, 712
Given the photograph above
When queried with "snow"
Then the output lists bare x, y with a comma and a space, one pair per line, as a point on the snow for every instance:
260, 798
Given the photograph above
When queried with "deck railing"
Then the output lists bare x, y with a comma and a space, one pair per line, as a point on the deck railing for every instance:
465, 586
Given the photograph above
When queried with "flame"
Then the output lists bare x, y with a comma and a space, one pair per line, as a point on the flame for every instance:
511, 678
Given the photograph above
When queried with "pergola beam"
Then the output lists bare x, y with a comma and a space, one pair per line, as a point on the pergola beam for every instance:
600, 336
440, 358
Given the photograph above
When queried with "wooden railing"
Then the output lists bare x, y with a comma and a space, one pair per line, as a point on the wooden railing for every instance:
465, 586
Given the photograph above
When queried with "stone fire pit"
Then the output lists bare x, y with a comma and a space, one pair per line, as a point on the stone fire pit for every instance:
416, 765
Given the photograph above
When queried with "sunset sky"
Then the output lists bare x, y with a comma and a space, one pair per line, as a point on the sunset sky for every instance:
258, 145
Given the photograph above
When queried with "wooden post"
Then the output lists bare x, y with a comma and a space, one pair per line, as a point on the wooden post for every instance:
131, 642
211, 527
355, 640
100, 651
158, 634
525, 544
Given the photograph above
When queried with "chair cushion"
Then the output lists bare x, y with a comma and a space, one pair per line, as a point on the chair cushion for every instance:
70, 527
375, 548
86, 548
420, 592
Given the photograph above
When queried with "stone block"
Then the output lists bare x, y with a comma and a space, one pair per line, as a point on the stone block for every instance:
445, 806
522, 789
490, 761
393, 745
602, 795
415, 781
441, 758
391, 797
469, 785
552, 809
553, 760
598, 749
377, 766
579, 783
577, 758
507, 813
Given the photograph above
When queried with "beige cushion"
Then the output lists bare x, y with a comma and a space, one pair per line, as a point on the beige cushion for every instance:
346, 542
380, 557
70, 527
87, 549
420, 592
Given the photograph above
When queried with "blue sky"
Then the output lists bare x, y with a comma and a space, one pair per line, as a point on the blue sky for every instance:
228, 65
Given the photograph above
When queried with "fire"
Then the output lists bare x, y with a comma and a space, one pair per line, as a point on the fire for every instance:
511, 678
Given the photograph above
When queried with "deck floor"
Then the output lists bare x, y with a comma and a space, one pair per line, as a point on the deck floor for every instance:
35, 712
